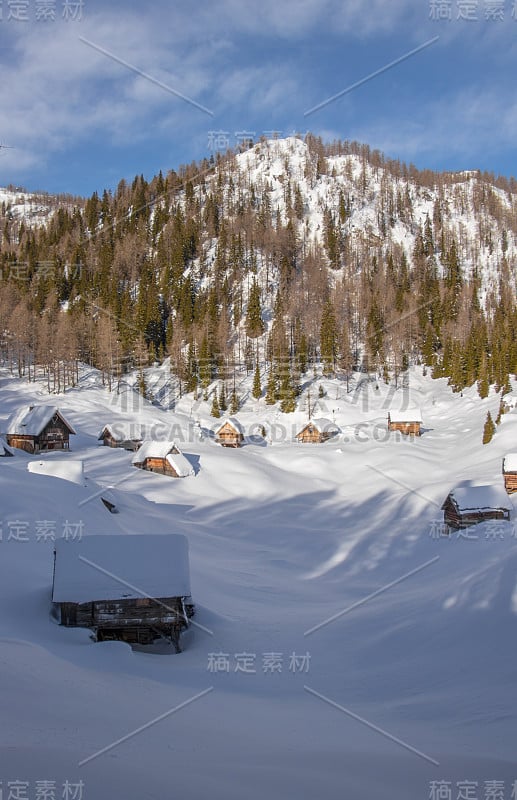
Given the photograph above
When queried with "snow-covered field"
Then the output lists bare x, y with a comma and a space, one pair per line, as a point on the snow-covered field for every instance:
343, 648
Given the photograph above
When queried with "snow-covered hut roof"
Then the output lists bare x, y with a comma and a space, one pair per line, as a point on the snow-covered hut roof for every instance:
180, 464
118, 567
479, 498
407, 415
323, 425
32, 420
154, 449
123, 431
510, 462
229, 421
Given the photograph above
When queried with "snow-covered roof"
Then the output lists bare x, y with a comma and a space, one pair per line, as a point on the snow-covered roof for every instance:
123, 431
407, 415
31, 420
322, 425
180, 464
510, 462
153, 449
64, 468
118, 567
479, 498
229, 421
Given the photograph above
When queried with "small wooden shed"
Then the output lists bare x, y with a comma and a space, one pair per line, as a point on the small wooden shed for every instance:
407, 422
162, 457
134, 588
470, 505
38, 428
510, 472
317, 431
122, 434
229, 433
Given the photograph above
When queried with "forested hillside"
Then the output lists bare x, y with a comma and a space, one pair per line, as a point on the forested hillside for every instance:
288, 253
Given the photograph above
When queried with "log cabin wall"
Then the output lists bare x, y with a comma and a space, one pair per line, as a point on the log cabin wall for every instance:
457, 519
229, 437
407, 428
55, 436
26, 443
510, 482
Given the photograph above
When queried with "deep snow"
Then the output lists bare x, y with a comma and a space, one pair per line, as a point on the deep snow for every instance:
283, 537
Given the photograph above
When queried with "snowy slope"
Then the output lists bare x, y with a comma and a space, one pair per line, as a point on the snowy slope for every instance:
282, 538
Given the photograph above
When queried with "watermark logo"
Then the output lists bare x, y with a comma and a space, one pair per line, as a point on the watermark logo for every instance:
41, 10
18, 789
472, 10
45, 530
270, 663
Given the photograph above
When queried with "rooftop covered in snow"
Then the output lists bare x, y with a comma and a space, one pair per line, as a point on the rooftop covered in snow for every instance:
233, 422
510, 462
405, 415
479, 498
122, 431
323, 425
119, 567
32, 420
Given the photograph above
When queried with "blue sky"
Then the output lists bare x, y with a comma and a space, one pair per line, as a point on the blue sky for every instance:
79, 120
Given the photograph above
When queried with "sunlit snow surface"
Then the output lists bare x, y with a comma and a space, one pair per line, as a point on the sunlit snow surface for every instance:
416, 661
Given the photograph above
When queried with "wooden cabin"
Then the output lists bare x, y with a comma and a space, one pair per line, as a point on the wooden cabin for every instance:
469, 505
133, 588
162, 457
510, 472
122, 434
407, 422
229, 433
38, 428
317, 431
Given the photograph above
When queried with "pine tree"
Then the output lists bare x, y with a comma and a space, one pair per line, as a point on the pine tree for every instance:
257, 388
271, 389
234, 402
483, 385
215, 410
500, 412
223, 405
287, 392
489, 429
328, 337
254, 323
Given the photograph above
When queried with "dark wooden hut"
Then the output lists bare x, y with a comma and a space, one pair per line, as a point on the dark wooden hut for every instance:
122, 434
130, 588
408, 422
162, 457
317, 431
38, 428
469, 505
510, 472
229, 433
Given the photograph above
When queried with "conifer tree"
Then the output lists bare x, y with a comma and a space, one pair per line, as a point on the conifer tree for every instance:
489, 429
215, 410
257, 388
328, 337
223, 405
483, 385
287, 393
271, 389
254, 323
234, 402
